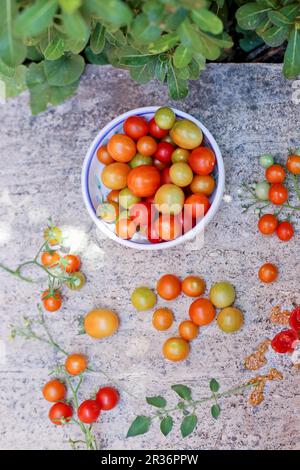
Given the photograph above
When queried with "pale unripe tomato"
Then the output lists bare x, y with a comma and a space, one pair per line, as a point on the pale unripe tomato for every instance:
181, 174
165, 118
262, 190
230, 319
143, 298
186, 134
222, 294
169, 199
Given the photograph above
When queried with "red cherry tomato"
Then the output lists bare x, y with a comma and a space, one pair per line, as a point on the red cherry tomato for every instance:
89, 411
107, 398
136, 127
275, 174
197, 205
156, 131
73, 263
285, 231
283, 341
268, 272
165, 176
142, 213
294, 319
60, 413
50, 258
167, 227
202, 160
278, 194
144, 180
52, 300
164, 152
267, 224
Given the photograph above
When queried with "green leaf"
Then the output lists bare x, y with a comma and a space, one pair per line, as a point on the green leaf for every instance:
39, 98
200, 59
182, 56
143, 31
194, 69
250, 41
275, 36
251, 15
290, 11
54, 49
188, 425
145, 73
131, 57
35, 75
164, 43
166, 425
75, 45
175, 19
75, 27
34, 54
14, 84
278, 19
58, 94
97, 59
154, 10
140, 425
64, 71
34, 19
291, 66
6, 70
117, 39
69, 6
214, 385
183, 391
114, 12
157, 401
207, 21
12, 50
97, 40
215, 411
161, 70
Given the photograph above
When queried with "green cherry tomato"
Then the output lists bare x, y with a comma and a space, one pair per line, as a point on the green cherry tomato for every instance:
230, 319
139, 160
181, 174
222, 294
165, 118
262, 190
143, 298
76, 281
180, 155
127, 198
266, 160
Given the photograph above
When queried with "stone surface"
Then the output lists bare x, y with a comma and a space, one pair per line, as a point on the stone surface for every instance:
250, 110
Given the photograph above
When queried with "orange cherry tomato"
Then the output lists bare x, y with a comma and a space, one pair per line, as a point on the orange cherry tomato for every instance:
293, 164
121, 147
267, 224
114, 176
167, 227
75, 364
54, 390
202, 160
136, 127
101, 323
144, 180
168, 287
50, 258
268, 272
193, 286
147, 146
196, 205
278, 194
176, 349
125, 228
275, 174
202, 312
73, 263
162, 319
188, 330
103, 155
204, 184
51, 300
113, 196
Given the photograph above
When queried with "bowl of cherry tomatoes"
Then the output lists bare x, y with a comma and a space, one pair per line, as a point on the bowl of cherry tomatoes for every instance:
153, 178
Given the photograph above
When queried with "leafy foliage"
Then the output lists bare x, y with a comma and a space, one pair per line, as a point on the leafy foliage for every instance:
167, 40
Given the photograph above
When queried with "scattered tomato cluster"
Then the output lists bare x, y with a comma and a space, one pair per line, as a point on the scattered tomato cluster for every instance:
160, 177
285, 340
202, 310
88, 411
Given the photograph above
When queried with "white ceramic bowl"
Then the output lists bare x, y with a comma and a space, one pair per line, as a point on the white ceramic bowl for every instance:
94, 191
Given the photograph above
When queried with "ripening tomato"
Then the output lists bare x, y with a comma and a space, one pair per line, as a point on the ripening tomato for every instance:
202, 161
75, 364
197, 205
144, 180
125, 228
51, 300
121, 147
167, 227
275, 174
293, 164
267, 224
88, 411
186, 134
268, 272
188, 330
193, 286
285, 231
156, 131
147, 146
284, 340
165, 176
169, 199
164, 152
222, 294
162, 319
113, 196
180, 155
103, 155
107, 398
165, 118
60, 413
108, 211
168, 287
176, 349
202, 312
181, 174
54, 391
71, 263
50, 258
204, 184
136, 127
278, 194
127, 198
143, 298
114, 176
230, 319
76, 281
101, 323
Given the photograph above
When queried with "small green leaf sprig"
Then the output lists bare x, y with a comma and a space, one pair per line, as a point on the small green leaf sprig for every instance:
186, 406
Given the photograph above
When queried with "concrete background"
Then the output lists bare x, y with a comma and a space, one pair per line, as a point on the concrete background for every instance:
250, 110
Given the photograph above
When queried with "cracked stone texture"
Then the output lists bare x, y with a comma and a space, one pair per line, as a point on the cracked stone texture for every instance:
250, 110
